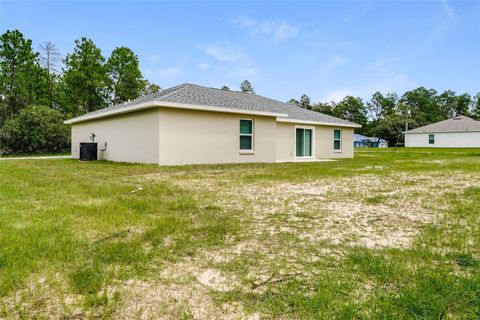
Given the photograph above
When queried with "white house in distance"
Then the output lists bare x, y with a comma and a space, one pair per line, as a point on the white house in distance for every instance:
189, 124
458, 132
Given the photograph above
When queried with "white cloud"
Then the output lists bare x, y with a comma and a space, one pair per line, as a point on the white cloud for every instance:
277, 31
337, 95
244, 22
447, 9
242, 71
203, 66
169, 72
442, 24
237, 62
384, 83
224, 53
335, 61
384, 74
280, 31
155, 58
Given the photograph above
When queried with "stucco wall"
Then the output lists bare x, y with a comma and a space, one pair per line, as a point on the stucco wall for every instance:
444, 140
130, 137
323, 142
192, 137
178, 136
285, 141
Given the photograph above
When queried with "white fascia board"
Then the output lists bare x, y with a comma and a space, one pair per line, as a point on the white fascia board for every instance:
318, 123
164, 104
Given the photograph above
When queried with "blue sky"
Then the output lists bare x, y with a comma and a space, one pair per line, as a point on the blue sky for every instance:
326, 49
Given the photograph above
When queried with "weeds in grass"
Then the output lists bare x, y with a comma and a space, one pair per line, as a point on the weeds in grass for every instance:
249, 239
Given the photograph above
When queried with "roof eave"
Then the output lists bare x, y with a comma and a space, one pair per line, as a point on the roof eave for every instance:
166, 104
323, 123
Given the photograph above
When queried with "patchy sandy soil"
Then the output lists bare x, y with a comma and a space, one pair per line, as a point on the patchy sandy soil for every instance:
366, 210
375, 211
285, 220
183, 290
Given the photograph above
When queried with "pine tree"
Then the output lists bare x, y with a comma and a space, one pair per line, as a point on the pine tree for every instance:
86, 79
125, 75
246, 87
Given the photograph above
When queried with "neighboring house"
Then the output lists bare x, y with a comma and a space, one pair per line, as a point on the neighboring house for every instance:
189, 124
458, 132
378, 142
360, 141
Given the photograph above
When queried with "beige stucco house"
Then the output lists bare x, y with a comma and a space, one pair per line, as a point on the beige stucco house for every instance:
191, 124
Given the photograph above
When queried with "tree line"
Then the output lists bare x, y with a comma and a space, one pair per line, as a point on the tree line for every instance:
39, 89
388, 115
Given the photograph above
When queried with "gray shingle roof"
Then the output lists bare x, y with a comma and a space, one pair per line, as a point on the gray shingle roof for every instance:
457, 124
191, 94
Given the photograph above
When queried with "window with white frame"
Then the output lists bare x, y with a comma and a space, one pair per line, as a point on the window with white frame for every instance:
431, 139
337, 139
246, 134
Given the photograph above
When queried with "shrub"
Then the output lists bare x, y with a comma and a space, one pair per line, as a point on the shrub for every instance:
36, 129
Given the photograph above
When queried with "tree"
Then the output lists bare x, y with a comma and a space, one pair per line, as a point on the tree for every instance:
225, 88
50, 59
246, 87
22, 80
305, 102
149, 88
389, 128
86, 79
476, 106
324, 107
35, 129
386, 121
294, 102
463, 105
423, 106
125, 75
352, 109
381, 106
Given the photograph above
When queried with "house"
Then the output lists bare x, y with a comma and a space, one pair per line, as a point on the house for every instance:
191, 124
360, 141
458, 132
376, 142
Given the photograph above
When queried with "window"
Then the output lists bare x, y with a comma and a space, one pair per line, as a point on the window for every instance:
303, 142
246, 134
431, 139
337, 139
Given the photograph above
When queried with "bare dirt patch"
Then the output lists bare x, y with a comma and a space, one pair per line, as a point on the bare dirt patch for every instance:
367, 210
183, 290
285, 221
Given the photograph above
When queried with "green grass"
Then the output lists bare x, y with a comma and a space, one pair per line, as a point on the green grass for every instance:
17, 155
73, 235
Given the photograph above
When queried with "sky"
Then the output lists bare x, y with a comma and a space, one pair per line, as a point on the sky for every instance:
325, 49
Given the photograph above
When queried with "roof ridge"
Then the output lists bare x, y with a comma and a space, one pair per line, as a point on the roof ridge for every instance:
260, 96
172, 90
218, 89
194, 94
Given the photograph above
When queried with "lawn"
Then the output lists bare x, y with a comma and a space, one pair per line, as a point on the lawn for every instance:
389, 234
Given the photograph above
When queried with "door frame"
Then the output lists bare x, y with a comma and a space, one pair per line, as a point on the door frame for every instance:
295, 142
